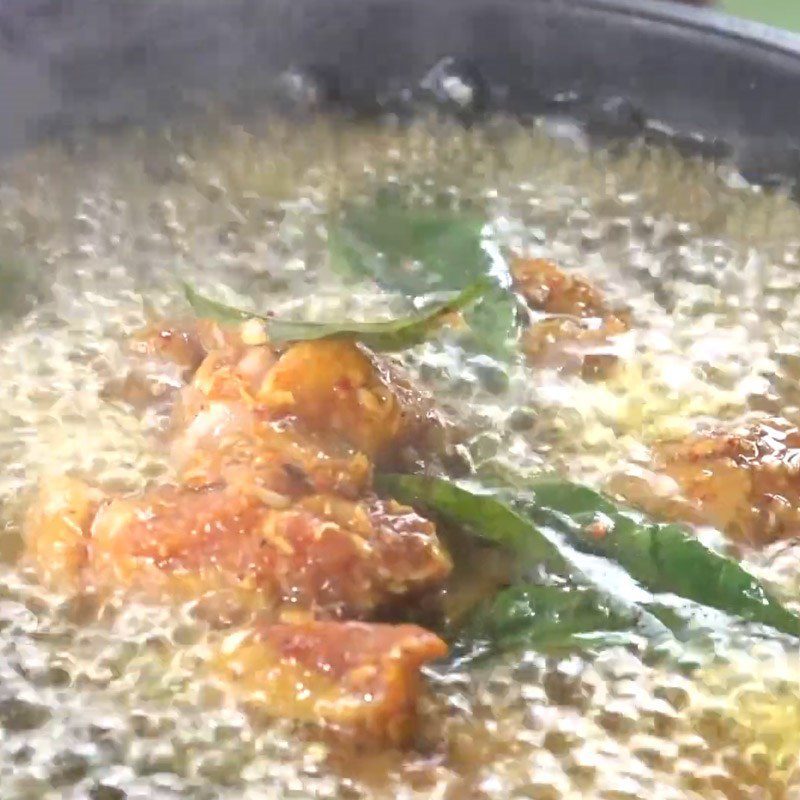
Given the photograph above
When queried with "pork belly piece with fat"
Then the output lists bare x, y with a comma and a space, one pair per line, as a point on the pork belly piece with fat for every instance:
276, 456
743, 478
576, 327
361, 678
272, 510
328, 555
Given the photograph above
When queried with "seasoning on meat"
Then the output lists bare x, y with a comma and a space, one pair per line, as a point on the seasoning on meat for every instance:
549, 288
362, 678
57, 528
273, 509
329, 555
334, 387
742, 478
574, 328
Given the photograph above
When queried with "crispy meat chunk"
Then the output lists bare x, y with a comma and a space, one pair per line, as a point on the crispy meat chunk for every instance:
550, 289
180, 344
743, 479
164, 358
187, 342
56, 529
325, 554
574, 344
273, 512
338, 386
233, 372
279, 456
358, 677
274, 481
334, 387
576, 329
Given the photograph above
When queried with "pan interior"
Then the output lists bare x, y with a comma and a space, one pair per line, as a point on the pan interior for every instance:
103, 231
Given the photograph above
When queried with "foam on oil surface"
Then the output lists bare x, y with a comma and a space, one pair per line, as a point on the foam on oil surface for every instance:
119, 707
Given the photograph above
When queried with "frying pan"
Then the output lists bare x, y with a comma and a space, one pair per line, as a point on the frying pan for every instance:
716, 84
712, 84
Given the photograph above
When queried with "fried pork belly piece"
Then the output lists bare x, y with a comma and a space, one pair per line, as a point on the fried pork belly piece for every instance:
324, 556
743, 479
276, 456
321, 436
577, 345
57, 527
546, 287
336, 387
323, 553
272, 510
187, 342
183, 344
339, 387
577, 326
356, 677
164, 358
260, 433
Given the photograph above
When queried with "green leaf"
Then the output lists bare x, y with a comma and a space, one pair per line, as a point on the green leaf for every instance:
492, 323
642, 565
415, 251
409, 249
662, 557
478, 512
386, 335
488, 517
543, 618
212, 309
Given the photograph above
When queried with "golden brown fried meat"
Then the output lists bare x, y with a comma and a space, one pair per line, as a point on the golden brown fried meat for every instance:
324, 554
164, 358
548, 288
335, 387
358, 677
187, 342
575, 345
273, 512
278, 456
56, 529
340, 387
743, 479
577, 327
184, 345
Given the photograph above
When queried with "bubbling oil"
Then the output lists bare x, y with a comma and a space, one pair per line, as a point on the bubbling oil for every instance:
112, 702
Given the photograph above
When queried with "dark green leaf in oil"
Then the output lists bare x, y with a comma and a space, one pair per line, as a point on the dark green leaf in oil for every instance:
419, 250
385, 335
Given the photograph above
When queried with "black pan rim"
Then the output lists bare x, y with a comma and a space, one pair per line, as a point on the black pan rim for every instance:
697, 73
